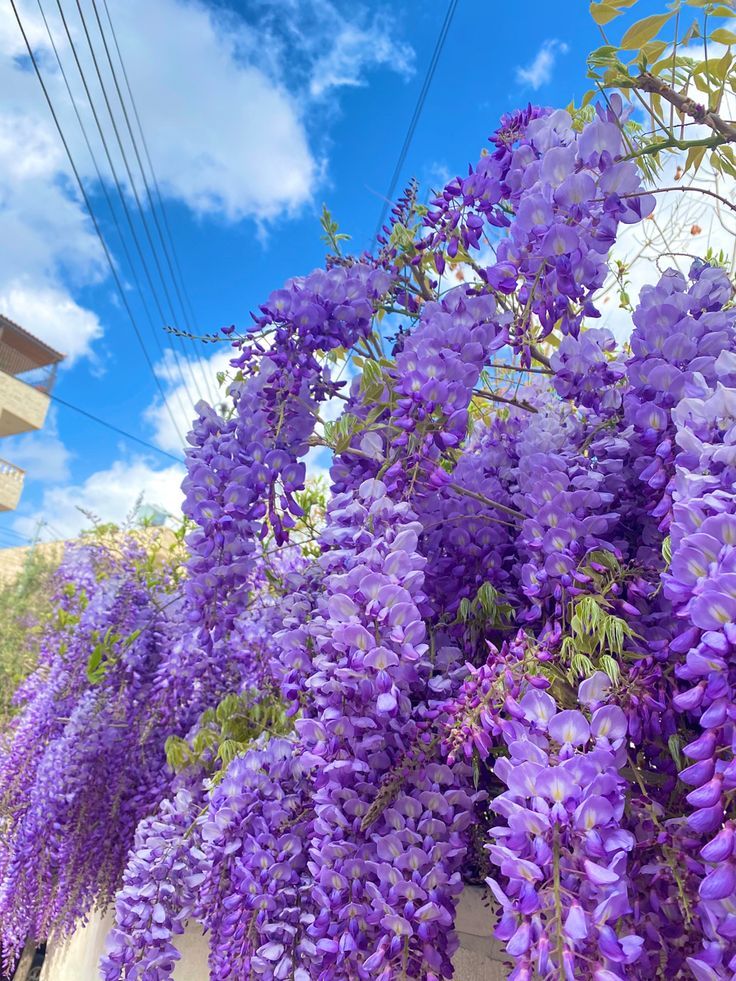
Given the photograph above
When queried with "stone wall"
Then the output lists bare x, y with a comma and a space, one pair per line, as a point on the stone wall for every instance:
22, 407
13, 559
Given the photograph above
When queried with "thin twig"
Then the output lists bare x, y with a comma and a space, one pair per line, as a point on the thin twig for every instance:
486, 500
684, 188
492, 397
518, 367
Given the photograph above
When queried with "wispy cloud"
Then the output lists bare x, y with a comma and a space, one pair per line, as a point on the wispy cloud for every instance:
356, 49
42, 455
229, 117
539, 71
111, 495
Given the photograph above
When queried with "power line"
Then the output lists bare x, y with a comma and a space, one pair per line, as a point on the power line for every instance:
14, 534
115, 429
92, 215
178, 280
103, 187
154, 213
422, 98
159, 197
116, 179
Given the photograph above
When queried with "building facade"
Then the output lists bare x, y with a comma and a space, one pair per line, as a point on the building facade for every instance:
27, 373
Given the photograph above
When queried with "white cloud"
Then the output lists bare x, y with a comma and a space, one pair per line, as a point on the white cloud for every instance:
51, 314
683, 227
539, 71
686, 223
44, 234
353, 51
42, 455
111, 495
176, 416
226, 138
225, 128
223, 104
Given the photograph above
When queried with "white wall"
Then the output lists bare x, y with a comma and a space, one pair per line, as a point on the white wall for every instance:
478, 959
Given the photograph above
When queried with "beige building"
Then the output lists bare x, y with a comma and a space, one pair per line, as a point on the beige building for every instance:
27, 374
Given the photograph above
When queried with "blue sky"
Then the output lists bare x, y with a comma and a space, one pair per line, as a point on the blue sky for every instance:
255, 114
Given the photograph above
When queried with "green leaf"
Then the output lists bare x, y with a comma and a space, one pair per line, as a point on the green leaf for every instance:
694, 158
644, 30
610, 666
607, 54
581, 666
674, 744
228, 750
702, 85
651, 51
603, 13
95, 667
667, 550
726, 163
487, 597
177, 752
722, 36
690, 34
722, 65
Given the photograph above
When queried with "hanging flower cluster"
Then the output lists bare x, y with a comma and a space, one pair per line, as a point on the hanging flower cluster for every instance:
502, 652
563, 852
700, 585
85, 753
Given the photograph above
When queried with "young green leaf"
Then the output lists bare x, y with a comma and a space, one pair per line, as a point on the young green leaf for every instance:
603, 13
644, 30
722, 36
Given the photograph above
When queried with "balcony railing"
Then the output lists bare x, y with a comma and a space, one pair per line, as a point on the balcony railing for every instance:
11, 485
10, 470
14, 363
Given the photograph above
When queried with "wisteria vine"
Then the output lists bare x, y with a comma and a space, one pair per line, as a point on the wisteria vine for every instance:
501, 651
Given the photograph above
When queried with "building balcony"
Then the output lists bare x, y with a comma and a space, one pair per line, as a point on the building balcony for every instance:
27, 373
11, 485
23, 407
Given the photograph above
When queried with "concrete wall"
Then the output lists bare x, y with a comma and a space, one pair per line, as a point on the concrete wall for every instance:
11, 485
12, 560
22, 407
478, 959
79, 957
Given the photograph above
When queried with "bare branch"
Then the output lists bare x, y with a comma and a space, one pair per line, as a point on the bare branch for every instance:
686, 106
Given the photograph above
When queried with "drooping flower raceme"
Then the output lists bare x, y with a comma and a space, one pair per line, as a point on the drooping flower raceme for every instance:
562, 851
479, 658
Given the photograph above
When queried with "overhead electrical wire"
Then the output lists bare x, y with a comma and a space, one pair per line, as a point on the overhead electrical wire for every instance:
167, 241
159, 196
93, 217
16, 535
421, 99
117, 182
111, 208
154, 212
115, 429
